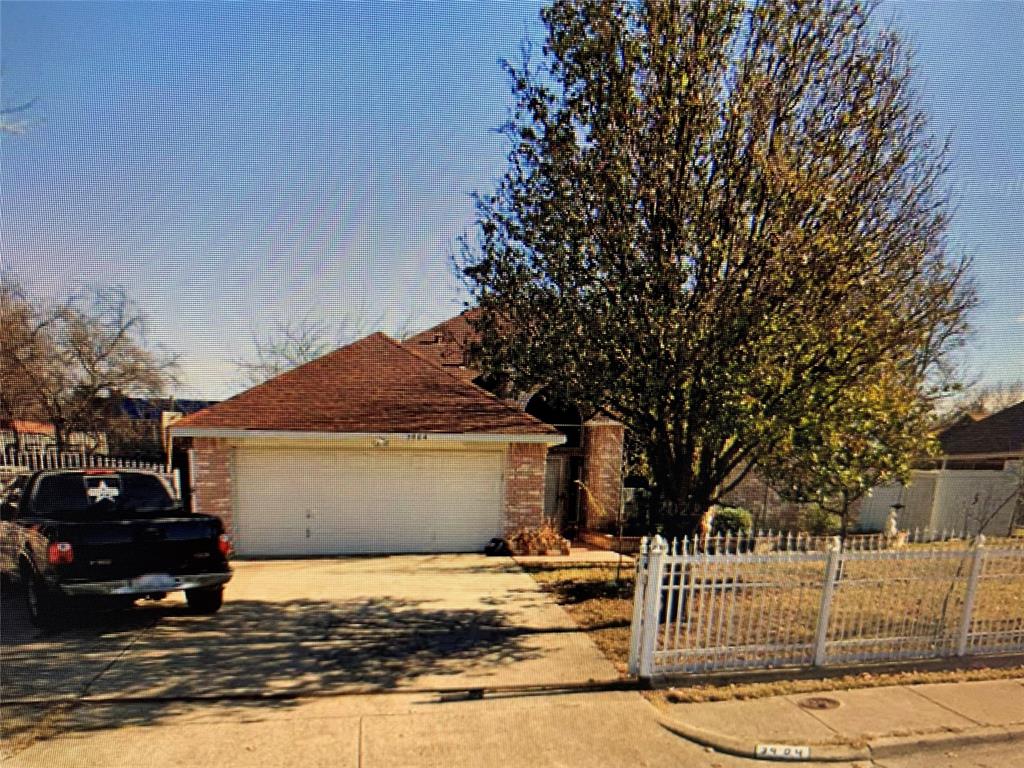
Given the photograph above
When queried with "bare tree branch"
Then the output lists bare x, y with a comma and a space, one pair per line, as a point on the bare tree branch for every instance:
64, 362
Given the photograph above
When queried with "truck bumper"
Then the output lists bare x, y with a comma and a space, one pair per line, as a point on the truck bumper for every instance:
145, 585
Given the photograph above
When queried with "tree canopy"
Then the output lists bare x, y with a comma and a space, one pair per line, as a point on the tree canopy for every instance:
724, 222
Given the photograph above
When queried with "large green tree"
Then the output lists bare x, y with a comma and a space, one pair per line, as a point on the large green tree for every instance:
723, 221
865, 438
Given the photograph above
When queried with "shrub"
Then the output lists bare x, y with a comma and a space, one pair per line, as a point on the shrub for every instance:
820, 522
732, 520
537, 541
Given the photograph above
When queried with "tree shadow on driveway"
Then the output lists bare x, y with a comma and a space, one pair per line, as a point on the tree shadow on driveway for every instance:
250, 651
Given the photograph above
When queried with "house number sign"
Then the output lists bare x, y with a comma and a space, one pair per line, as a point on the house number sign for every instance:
783, 751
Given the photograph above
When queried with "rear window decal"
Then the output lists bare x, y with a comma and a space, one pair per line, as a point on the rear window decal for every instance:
103, 491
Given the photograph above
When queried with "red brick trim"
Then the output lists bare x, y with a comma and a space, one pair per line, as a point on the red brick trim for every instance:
524, 486
602, 471
212, 492
211, 478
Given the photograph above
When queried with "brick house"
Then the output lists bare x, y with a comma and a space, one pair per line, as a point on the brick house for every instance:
380, 446
593, 449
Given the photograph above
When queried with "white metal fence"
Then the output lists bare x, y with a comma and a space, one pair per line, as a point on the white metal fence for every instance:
14, 463
36, 460
743, 603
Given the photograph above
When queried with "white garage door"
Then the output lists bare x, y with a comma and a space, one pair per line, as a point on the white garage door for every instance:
326, 502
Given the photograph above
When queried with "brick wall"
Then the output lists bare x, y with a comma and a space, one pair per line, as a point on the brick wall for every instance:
211, 478
602, 471
768, 509
524, 482
524, 486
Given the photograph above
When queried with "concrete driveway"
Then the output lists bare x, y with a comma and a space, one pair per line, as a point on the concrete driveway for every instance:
409, 623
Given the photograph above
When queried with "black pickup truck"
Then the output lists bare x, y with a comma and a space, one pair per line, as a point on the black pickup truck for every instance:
113, 534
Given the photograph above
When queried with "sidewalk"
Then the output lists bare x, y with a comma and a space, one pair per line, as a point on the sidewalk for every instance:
578, 555
865, 724
602, 730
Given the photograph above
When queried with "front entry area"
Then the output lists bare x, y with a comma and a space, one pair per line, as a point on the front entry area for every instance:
329, 501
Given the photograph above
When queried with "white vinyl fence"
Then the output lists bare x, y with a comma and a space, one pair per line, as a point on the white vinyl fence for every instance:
729, 604
983, 501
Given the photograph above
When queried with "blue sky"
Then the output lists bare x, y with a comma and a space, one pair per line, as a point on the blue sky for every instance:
238, 164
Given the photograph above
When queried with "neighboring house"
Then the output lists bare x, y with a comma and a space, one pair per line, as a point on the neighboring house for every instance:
138, 425
975, 484
26, 435
376, 447
126, 427
34, 436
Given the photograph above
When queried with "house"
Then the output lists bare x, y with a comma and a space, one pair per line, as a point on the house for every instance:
26, 435
976, 483
36, 436
138, 425
372, 448
591, 454
383, 446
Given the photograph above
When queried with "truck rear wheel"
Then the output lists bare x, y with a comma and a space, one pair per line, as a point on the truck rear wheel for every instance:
44, 608
205, 600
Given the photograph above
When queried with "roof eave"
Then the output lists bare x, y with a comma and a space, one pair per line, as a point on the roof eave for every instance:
549, 439
1017, 454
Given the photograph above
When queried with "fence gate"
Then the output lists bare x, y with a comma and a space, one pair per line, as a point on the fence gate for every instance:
731, 603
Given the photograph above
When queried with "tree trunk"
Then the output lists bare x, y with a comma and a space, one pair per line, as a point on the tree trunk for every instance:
684, 497
59, 436
681, 515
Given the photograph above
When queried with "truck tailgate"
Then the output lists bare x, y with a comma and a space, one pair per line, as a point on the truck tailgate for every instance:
109, 550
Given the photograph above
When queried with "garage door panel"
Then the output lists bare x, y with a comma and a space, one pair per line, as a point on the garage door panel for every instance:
321, 502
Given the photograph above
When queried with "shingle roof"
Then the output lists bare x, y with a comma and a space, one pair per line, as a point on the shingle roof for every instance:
374, 385
1002, 432
28, 426
447, 344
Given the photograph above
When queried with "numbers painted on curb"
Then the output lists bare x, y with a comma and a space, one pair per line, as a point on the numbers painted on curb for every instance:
783, 751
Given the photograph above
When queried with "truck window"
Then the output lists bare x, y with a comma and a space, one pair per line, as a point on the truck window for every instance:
145, 492
59, 496
126, 495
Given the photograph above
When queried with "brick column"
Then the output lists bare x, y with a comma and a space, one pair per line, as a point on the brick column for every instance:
211, 478
524, 486
602, 471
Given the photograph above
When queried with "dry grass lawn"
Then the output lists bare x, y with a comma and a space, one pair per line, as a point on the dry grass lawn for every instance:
813, 681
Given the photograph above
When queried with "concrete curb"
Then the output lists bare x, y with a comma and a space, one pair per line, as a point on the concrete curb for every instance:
844, 753
819, 753
455, 692
905, 745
